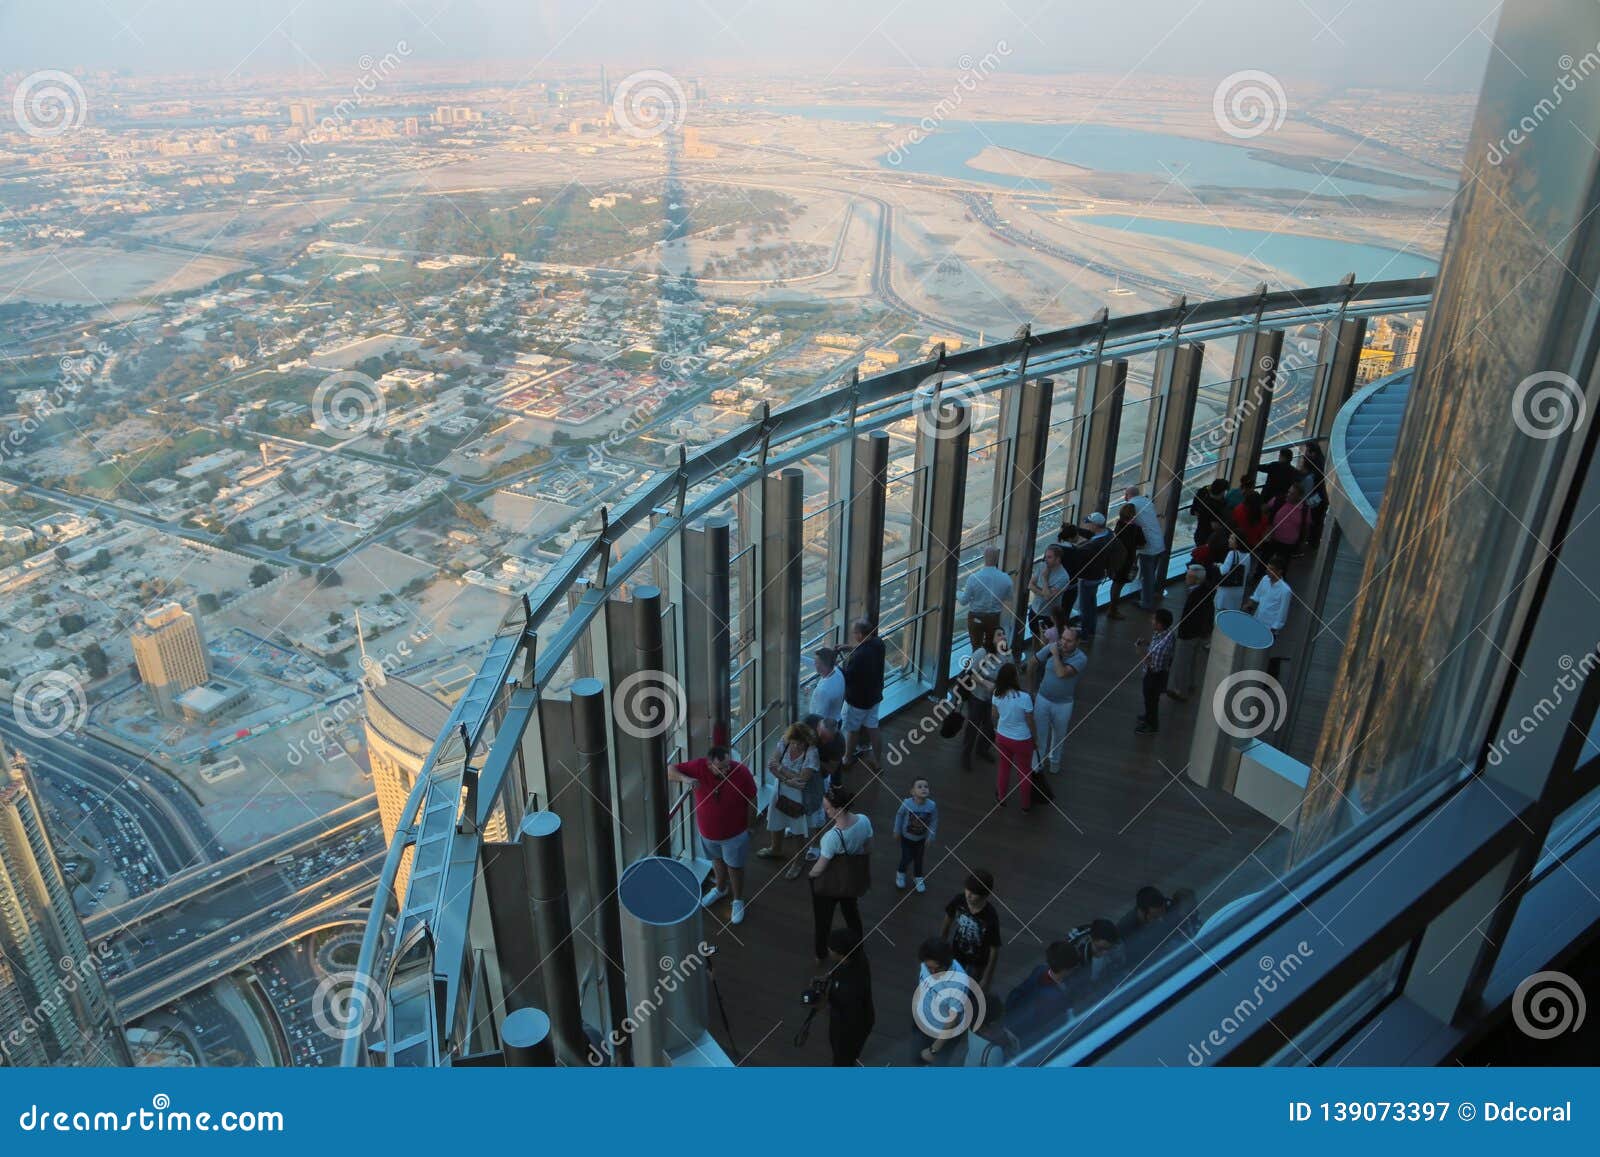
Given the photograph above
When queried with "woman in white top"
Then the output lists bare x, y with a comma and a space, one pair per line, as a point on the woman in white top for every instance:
1013, 735
1234, 567
978, 735
848, 833
792, 765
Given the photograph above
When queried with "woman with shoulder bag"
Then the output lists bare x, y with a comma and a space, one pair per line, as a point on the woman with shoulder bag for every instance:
842, 873
1230, 591
793, 765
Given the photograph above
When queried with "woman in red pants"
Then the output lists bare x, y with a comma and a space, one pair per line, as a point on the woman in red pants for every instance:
1013, 735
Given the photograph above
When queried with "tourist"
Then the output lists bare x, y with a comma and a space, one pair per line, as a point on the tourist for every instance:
794, 765
1061, 663
1280, 475
942, 1008
987, 597
851, 1014
1123, 556
827, 694
1098, 945
1209, 509
1290, 522
1234, 567
1269, 602
1050, 579
844, 848
1153, 553
1096, 560
1013, 735
724, 794
972, 928
1314, 484
916, 823
1194, 627
982, 666
830, 754
863, 692
1158, 652
1044, 1000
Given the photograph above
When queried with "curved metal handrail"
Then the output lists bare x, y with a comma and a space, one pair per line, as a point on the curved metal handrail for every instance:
779, 438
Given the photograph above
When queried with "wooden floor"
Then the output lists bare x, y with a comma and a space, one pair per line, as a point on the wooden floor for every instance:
1124, 816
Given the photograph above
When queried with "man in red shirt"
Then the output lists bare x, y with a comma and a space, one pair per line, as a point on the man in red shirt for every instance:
724, 793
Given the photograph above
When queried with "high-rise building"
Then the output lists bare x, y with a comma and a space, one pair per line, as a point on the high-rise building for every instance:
402, 721
54, 1007
605, 88
171, 655
302, 113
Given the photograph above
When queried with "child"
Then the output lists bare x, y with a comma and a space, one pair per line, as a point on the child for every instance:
916, 823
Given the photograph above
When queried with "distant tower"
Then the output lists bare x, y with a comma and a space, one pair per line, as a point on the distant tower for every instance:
605, 89
50, 984
170, 654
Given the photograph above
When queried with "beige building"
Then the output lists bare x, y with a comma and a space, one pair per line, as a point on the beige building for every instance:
171, 655
402, 722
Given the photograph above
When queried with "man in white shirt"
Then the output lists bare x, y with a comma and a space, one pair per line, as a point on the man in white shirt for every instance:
827, 695
1152, 552
1270, 601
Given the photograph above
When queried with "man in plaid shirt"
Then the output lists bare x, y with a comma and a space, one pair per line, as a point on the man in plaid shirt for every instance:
1157, 666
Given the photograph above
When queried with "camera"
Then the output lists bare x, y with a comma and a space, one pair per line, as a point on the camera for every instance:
815, 992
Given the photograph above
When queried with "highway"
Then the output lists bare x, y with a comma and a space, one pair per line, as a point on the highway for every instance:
190, 885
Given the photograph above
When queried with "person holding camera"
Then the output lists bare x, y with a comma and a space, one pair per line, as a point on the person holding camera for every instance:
848, 991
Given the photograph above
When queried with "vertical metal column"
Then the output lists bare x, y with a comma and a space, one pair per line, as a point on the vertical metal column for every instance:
1025, 487
525, 1040
515, 949
661, 922
1167, 452
946, 495
544, 873
650, 657
718, 672
589, 730
1100, 397
778, 623
1255, 372
864, 578
703, 620
1236, 694
1341, 358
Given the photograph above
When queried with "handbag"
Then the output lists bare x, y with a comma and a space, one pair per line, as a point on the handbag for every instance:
848, 875
792, 808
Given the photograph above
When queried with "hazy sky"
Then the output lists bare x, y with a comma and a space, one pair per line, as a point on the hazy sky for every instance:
1387, 42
